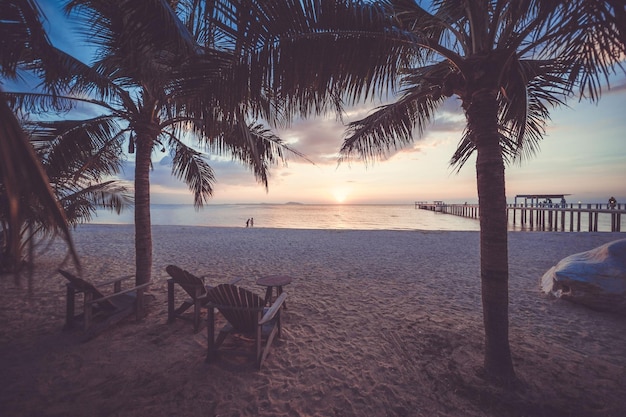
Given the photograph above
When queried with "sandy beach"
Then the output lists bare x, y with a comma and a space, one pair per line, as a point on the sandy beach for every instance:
380, 323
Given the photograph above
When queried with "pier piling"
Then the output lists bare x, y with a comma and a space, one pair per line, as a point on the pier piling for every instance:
542, 217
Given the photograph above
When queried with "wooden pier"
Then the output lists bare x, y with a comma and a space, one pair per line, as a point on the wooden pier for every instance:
553, 217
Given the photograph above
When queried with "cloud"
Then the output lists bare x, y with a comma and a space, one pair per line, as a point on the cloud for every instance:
449, 118
320, 138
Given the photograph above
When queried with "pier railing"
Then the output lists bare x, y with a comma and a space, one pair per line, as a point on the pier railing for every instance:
545, 217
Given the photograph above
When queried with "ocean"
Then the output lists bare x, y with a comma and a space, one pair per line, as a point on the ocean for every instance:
297, 216
310, 216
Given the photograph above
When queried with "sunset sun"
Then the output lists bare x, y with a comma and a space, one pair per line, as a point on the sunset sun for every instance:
340, 195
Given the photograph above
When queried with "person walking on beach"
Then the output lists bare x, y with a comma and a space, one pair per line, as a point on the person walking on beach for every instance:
251, 221
248, 223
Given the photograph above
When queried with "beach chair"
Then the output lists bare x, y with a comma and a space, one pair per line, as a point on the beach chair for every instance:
245, 314
100, 311
195, 287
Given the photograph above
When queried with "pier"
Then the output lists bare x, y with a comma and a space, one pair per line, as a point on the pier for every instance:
573, 217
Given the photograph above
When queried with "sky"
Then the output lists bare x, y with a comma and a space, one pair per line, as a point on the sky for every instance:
583, 154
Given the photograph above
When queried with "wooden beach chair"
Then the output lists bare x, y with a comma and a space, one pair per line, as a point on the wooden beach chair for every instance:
246, 315
100, 311
195, 287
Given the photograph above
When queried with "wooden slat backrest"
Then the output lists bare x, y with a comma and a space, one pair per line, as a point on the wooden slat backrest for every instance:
239, 306
189, 282
83, 286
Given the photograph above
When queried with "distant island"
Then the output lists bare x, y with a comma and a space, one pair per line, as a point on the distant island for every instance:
293, 203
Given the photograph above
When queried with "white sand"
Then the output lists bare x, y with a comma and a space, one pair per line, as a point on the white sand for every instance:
379, 323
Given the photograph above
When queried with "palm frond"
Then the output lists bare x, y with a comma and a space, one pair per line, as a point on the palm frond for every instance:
393, 126
87, 149
529, 88
587, 36
136, 40
42, 103
24, 180
80, 202
336, 50
25, 43
463, 151
37, 103
255, 146
190, 166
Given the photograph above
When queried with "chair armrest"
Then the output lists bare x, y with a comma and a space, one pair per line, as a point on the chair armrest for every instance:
232, 282
274, 309
139, 287
113, 281
235, 280
198, 285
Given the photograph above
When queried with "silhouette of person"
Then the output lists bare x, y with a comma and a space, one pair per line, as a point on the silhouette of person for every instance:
612, 202
251, 221
248, 223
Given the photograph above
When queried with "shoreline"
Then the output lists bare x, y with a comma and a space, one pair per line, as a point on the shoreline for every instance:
381, 323
344, 217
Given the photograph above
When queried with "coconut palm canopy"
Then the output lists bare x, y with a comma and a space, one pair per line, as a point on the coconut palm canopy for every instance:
75, 165
158, 79
25, 46
509, 62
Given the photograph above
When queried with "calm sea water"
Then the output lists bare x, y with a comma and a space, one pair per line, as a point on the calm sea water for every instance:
311, 216
296, 216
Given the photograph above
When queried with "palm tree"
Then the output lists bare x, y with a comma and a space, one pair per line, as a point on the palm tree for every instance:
507, 61
74, 167
158, 80
25, 45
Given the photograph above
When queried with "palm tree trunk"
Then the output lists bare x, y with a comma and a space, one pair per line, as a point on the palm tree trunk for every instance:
143, 226
494, 273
